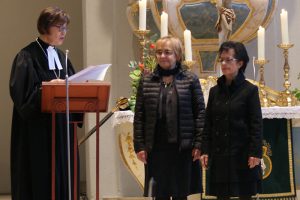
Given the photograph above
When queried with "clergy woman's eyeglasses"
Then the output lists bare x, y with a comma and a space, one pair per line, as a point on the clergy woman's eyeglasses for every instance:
62, 28
227, 60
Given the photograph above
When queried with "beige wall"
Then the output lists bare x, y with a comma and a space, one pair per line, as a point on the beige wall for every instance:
274, 69
18, 28
109, 39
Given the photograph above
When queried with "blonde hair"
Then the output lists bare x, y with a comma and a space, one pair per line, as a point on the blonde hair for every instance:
176, 45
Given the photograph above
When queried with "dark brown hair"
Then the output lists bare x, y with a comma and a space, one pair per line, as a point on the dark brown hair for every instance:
240, 52
51, 16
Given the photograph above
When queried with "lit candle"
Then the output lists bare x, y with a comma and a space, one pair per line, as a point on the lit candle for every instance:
163, 24
142, 14
261, 43
187, 45
284, 27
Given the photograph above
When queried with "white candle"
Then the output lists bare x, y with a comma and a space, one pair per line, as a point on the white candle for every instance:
142, 14
187, 45
284, 27
163, 24
261, 43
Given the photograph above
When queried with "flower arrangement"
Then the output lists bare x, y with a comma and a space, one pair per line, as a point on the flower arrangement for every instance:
138, 68
296, 91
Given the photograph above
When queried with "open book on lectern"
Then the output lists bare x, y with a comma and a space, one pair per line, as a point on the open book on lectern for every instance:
91, 73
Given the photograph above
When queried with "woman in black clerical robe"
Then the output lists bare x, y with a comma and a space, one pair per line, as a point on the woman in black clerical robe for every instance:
31, 129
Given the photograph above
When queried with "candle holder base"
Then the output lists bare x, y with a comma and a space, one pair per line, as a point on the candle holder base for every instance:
141, 32
263, 97
285, 46
286, 99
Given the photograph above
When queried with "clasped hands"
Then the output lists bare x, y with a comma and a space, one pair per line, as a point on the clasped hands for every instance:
57, 80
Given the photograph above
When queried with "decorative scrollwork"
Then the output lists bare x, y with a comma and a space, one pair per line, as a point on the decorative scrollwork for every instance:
90, 106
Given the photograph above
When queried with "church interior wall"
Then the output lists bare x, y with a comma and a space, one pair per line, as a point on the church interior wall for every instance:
274, 69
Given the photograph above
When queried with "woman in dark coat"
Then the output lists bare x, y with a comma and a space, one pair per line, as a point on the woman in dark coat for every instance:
232, 138
169, 118
39, 61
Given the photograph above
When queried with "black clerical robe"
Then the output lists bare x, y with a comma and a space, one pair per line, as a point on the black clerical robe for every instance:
31, 129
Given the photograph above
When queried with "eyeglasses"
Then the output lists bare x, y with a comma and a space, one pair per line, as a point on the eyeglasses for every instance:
166, 52
62, 28
226, 61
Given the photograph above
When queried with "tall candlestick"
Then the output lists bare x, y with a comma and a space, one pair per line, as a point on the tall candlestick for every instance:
284, 27
286, 97
163, 24
188, 45
261, 43
142, 14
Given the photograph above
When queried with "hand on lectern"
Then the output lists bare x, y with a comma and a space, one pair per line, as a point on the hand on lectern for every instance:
57, 80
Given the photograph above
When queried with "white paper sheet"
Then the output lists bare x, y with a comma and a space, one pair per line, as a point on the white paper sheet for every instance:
90, 73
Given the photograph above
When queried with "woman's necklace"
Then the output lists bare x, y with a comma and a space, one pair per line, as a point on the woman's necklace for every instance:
58, 77
167, 81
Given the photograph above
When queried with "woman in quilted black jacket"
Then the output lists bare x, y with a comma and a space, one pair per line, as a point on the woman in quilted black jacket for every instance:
169, 118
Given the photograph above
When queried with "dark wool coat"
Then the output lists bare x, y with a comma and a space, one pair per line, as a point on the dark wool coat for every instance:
233, 132
191, 110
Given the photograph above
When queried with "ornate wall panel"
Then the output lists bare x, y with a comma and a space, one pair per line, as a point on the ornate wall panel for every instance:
200, 16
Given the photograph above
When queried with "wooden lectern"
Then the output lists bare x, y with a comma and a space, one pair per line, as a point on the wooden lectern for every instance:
83, 97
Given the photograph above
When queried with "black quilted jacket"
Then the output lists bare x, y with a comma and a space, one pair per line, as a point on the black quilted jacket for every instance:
191, 110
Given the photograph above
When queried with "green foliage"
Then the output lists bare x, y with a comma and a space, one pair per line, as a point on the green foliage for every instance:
139, 68
135, 76
296, 91
150, 62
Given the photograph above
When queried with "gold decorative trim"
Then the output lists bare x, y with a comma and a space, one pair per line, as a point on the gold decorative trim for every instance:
247, 21
132, 9
272, 95
266, 22
266, 156
130, 12
289, 124
155, 12
203, 42
132, 156
197, 50
272, 12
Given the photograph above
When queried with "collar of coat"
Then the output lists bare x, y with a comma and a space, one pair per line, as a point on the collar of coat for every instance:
237, 81
181, 69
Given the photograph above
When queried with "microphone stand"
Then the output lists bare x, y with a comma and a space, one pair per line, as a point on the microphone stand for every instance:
68, 127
